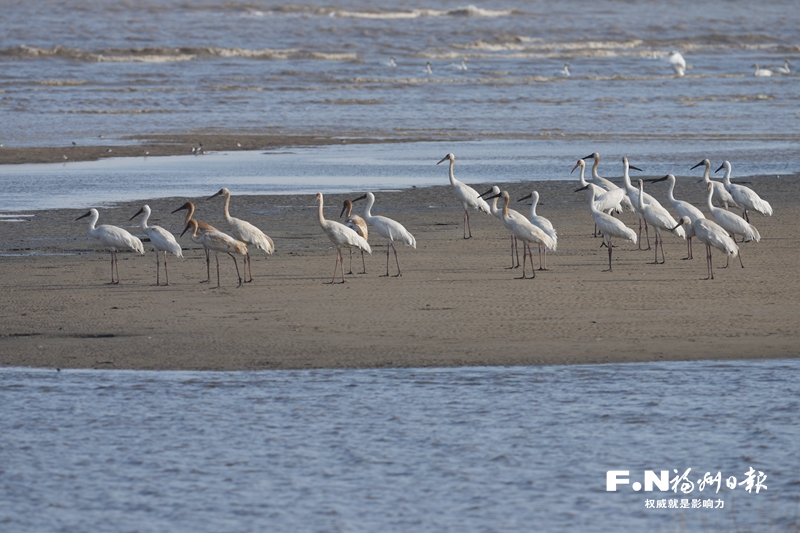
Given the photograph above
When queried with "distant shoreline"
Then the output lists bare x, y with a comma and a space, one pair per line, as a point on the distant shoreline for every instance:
169, 145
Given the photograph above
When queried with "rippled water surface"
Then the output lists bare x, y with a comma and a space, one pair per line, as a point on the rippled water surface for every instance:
469, 449
73, 71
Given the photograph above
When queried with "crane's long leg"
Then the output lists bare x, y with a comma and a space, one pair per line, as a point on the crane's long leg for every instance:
248, 262
516, 249
466, 225
112, 268
708, 262
336, 266
530, 254
216, 256
647, 234
165, 266
341, 262
524, 258
399, 273
639, 240
208, 266
236, 263
116, 264
363, 263
158, 268
351, 261
608, 245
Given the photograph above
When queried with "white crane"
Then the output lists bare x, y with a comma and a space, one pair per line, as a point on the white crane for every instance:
495, 191
606, 184
340, 235
633, 196
113, 238
609, 226
388, 229
201, 227
245, 232
468, 196
678, 63
542, 223
357, 224
761, 72
733, 224
712, 235
161, 239
217, 242
606, 201
565, 71
744, 196
526, 232
684, 209
659, 218
721, 196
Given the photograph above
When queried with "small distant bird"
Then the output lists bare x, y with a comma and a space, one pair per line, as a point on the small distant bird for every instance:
784, 69
74, 143
565, 71
678, 63
428, 68
390, 63
761, 72
108, 150
65, 157
239, 145
113, 238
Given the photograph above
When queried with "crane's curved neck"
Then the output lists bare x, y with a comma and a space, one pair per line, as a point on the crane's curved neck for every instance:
592, 207
368, 208
493, 207
641, 194
93, 220
727, 174
227, 205
452, 177
190, 213
349, 210
671, 190
582, 178
594, 167
627, 177
708, 199
707, 173
319, 214
535, 198
145, 217
506, 199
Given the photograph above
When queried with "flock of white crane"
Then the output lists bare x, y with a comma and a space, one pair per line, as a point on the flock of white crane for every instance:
605, 199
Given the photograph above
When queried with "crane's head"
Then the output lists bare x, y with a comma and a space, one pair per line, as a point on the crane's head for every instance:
451, 157
187, 205
594, 156
346, 208
494, 190
90, 213
683, 221
223, 190
625, 162
656, 180
363, 196
139, 212
529, 196
726, 165
581, 163
705, 162
192, 224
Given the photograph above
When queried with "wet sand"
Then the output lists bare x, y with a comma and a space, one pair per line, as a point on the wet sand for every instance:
456, 304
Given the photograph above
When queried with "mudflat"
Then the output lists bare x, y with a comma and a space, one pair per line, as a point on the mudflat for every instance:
457, 302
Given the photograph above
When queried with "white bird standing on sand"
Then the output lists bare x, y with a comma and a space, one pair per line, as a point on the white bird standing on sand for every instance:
161, 239
340, 235
761, 72
112, 237
784, 69
469, 197
245, 232
744, 196
733, 224
609, 226
721, 196
684, 209
605, 200
678, 63
607, 184
357, 224
633, 195
388, 229
495, 192
526, 232
543, 224
659, 218
565, 70
711, 234
218, 242
201, 227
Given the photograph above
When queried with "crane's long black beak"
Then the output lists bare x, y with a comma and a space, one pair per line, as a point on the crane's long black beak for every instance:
720, 168
84, 216
487, 192
186, 229
525, 197
139, 212
360, 198
184, 206
445, 158
655, 180
635, 168
590, 156
582, 188
703, 162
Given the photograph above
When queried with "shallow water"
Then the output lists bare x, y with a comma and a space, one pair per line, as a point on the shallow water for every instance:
480, 449
73, 72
